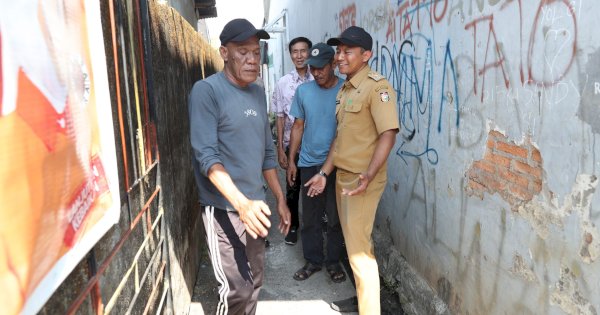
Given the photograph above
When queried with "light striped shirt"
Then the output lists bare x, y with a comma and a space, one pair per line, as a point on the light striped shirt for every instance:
281, 101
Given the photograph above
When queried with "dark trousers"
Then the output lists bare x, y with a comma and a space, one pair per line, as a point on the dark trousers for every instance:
292, 196
312, 221
238, 261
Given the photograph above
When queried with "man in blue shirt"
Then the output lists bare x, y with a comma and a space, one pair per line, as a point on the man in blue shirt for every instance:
315, 125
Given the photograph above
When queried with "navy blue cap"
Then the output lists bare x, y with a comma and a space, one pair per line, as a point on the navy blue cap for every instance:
320, 55
353, 36
238, 30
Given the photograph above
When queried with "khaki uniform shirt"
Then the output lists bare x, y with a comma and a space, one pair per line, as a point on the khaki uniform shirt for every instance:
365, 108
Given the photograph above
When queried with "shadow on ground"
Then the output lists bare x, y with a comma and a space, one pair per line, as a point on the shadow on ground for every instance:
281, 294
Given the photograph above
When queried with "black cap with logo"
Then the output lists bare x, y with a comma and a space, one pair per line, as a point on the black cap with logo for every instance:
353, 36
320, 55
238, 30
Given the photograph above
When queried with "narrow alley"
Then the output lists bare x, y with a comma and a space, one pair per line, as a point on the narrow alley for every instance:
486, 201
281, 294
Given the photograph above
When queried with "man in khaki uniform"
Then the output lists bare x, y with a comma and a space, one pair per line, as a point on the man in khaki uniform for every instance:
367, 127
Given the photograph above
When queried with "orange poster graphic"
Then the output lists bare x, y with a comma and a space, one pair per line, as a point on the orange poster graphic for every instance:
58, 179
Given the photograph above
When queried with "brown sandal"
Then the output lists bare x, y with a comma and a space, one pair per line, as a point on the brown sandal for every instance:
336, 273
306, 271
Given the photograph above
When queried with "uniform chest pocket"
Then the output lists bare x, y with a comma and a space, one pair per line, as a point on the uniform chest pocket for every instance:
354, 116
353, 108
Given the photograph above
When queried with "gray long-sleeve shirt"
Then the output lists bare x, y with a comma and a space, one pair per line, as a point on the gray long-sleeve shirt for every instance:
229, 125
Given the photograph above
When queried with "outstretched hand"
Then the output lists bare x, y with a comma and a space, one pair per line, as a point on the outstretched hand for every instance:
315, 185
363, 182
254, 214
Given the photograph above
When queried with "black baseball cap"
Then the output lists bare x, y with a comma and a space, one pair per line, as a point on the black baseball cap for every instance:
353, 36
320, 55
238, 30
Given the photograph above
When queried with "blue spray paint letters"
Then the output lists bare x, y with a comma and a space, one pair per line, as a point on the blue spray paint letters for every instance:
412, 75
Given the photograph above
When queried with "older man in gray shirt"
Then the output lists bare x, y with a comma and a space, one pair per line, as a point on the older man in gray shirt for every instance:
233, 150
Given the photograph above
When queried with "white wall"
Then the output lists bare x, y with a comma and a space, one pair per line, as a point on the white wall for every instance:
529, 73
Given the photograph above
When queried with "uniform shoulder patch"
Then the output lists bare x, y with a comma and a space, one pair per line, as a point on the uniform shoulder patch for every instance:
375, 76
384, 96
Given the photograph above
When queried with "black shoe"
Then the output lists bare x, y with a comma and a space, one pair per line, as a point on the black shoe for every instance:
267, 243
345, 306
292, 237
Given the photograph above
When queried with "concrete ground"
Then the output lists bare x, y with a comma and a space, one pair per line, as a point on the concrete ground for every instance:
281, 294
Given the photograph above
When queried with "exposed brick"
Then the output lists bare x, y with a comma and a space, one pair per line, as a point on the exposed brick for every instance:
498, 160
521, 193
475, 189
516, 181
514, 178
496, 134
508, 175
493, 184
477, 176
472, 173
526, 169
491, 143
536, 155
535, 186
476, 186
512, 149
487, 153
485, 166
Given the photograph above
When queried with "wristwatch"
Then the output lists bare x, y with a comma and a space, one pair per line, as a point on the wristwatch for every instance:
322, 173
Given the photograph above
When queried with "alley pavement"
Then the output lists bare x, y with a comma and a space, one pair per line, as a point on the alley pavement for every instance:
280, 294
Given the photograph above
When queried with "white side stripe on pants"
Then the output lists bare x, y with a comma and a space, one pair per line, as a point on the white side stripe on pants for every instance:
215, 256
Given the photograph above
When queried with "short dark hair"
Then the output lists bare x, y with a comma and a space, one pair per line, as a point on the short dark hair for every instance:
299, 40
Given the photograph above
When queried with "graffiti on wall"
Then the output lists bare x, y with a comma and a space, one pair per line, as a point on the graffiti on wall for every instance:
524, 65
347, 17
413, 76
458, 68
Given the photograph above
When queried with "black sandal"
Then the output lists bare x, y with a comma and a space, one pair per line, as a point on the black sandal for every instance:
336, 273
306, 271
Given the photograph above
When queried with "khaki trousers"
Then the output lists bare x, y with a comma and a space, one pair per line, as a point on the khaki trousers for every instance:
357, 215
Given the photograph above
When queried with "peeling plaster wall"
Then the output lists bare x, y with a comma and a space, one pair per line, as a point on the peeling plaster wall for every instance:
515, 234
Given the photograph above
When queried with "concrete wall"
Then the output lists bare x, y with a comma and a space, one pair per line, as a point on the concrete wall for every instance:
180, 57
492, 184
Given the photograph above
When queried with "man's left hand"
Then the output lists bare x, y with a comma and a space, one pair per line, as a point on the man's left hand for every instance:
363, 182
